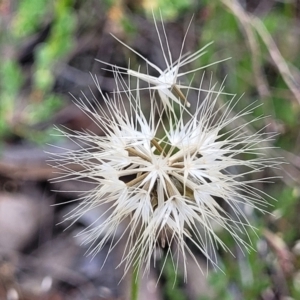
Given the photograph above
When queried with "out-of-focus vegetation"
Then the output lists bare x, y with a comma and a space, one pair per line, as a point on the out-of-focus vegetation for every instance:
47, 50
35, 41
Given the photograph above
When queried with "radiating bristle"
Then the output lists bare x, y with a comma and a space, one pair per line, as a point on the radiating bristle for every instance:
179, 164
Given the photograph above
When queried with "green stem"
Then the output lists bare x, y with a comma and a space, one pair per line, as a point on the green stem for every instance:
135, 283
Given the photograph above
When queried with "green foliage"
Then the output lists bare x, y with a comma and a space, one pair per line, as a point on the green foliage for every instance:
285, 111
287, 208
40, 112
29, 17
59, 44
128, 26
11, 81
220, 283
170, 9
172, 290
246, 275
11, 77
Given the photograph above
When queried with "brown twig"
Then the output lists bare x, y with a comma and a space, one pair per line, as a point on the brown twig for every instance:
248, 22
245, 21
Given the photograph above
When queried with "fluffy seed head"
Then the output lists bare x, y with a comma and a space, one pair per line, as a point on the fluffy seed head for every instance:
172, 179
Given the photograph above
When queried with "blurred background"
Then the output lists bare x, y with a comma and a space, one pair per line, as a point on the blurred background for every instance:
48, 50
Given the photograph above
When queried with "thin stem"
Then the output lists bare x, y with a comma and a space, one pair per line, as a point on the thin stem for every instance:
179, 165
179, 156
134, 152
136, 180
170, 189
178, 93
159, 148
135, 283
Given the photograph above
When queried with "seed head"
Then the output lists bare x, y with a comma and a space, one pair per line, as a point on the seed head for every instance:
170, 179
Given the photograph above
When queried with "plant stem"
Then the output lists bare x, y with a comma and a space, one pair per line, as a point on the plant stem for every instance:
158, 146
178, 93
137, 179
134, 152
135, 283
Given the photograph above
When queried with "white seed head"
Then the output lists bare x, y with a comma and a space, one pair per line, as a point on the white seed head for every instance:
180, 183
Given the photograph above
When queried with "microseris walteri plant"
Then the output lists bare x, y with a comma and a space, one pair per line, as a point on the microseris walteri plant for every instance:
167, 176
